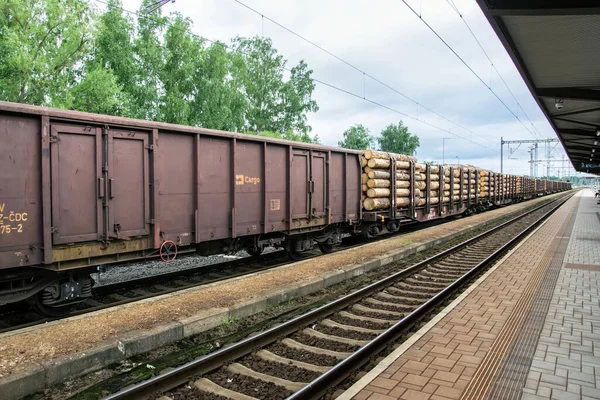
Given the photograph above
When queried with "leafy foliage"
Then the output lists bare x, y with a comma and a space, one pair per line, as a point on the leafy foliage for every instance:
290, 135
273, 103
100, 93
41, 44
63, 53
396, 138
357, 137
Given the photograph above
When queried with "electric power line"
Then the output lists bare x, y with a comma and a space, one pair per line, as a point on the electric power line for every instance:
455, 8
468, 67
364, 73
138, 15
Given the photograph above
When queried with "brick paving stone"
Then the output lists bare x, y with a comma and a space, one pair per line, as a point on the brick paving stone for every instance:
461, 339
384, 383
415, 380
415, 395
379, 396
396, 393
568, 336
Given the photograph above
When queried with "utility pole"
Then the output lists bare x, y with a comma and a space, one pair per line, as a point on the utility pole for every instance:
502, 155
548, 160
531, 161
444, 149
536, 159
533, 171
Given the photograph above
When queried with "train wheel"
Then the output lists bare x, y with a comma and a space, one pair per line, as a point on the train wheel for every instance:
295, 255
255, 252
326, 247
51, 311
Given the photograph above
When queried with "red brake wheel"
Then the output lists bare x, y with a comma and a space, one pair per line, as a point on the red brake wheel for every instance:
168, 251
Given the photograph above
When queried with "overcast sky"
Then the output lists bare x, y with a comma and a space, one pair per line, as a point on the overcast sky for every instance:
386, 40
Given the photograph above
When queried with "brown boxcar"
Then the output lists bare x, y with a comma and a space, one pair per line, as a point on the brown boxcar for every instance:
78, 190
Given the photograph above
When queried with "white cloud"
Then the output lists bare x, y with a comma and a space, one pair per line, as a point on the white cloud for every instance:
387, 41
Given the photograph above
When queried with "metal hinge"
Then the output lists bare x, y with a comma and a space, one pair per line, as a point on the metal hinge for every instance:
54, 229
105, 129
150, 147
151, 221
54, 139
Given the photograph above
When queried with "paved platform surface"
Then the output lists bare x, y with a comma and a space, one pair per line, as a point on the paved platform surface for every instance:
529, 328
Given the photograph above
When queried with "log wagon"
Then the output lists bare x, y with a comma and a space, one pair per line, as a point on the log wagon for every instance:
78, 190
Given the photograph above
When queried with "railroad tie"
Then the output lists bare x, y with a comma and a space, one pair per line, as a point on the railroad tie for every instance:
382, 321
291, 343
332, 324
209, 386
240, 369
268, 356
380, 303
320, 335
361, 308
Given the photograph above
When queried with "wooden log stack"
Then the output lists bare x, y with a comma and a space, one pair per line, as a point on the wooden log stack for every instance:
484, 183
467, 182
377, 180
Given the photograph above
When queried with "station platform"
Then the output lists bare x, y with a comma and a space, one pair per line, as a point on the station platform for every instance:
527, 329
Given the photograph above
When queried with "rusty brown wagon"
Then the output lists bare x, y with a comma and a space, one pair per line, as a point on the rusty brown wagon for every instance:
78, 190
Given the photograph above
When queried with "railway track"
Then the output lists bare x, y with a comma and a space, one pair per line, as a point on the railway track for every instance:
305, 357
20, 316
145, 287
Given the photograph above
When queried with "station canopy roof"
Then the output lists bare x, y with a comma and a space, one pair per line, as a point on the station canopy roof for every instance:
555, 45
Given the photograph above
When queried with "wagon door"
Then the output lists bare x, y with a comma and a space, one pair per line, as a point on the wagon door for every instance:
318, 184
300, 183
77, 183
128, 184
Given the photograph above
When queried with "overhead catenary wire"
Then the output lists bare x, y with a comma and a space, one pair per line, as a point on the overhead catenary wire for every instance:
456, 9
358, 69
329, 85
468, 66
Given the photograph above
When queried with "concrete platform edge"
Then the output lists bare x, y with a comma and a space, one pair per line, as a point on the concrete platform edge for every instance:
55, 371
387, 361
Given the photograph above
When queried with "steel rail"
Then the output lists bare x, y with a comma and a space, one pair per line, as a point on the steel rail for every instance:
339, 372
180, 375
249, 263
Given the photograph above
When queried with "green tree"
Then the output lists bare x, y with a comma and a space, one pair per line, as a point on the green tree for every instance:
182, 57
113, 49
149, 57
273, 103
220, 103
357, 137
99, 93
290, 135
42, 44
397, 139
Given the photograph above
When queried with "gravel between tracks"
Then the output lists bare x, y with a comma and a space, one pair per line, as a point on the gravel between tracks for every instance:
56, 340
289, 372
252, 387
299, 355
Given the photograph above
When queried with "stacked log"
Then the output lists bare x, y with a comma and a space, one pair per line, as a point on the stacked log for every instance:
484, 183
377, 180
467, 182
434, 185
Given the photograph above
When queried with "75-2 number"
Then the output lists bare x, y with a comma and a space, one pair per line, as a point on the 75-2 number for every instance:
9, 229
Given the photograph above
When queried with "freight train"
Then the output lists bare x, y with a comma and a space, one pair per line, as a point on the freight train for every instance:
78, 190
